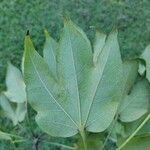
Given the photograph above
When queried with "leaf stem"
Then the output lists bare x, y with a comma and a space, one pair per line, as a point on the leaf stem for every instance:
83, 135
134, 133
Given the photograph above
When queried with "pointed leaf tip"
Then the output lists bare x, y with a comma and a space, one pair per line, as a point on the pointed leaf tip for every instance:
98, 45
46, 33
113, 35
68, 22
28, 41
8, 63
66, 19
99, 32
27, 33
114, 31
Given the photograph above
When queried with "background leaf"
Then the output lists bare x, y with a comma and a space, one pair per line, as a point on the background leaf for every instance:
138, 143
142, 69
4, 136
145, 56
13, 101
135, 104
15, 85
135, 100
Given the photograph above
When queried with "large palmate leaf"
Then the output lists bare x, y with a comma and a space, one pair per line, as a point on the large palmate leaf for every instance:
136, 97
13, 101
86, 92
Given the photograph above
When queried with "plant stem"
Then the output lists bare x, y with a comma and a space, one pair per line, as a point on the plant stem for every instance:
35, 144
134, 133
83, 135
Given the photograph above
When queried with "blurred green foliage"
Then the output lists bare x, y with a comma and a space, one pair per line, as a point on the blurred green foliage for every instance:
131, 17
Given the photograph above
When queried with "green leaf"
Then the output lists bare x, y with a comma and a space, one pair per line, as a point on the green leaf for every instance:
135, 104
141, 69
145, 131
129, 76
85, 96
122, 131
133, 135
135, 100
49, 53
145, 56
130, 127
130, 71
7, 108
4, 136
98, 45
8, 136
42, 94
117, 131
15, 85
14, 111
13, 101
20, 112
103, 87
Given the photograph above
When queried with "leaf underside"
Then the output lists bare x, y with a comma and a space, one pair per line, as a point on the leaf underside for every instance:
86, 92
13, 101
135, 100
145, 56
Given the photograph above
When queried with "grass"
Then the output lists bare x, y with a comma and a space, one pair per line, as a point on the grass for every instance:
131, 17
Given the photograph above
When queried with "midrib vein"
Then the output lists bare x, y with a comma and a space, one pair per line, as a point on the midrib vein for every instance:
79, 105
46, 88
